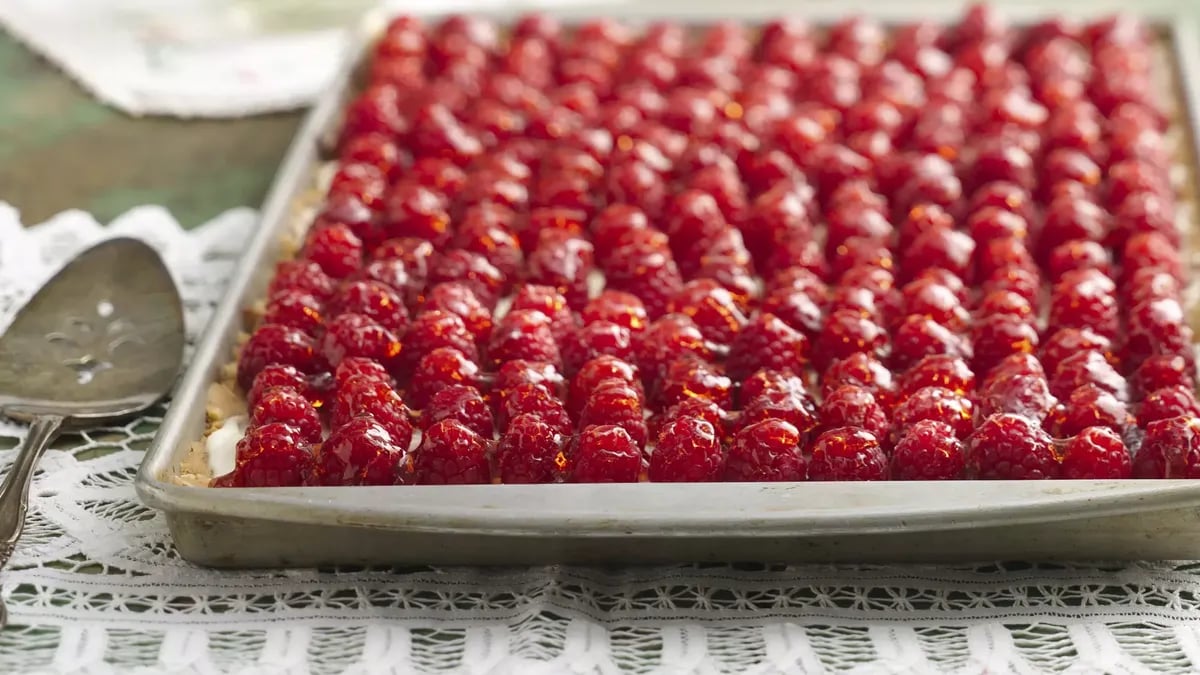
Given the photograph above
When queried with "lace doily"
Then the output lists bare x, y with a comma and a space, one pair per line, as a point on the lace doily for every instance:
96, 586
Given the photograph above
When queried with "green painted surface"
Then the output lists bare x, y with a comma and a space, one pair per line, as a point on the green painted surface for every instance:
61, 149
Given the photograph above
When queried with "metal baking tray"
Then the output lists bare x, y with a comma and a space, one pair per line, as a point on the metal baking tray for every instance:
511, 524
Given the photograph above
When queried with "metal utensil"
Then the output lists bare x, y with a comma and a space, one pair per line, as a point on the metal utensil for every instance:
101, 341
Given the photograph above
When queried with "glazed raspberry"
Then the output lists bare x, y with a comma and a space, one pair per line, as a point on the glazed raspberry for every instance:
928, 450
360, 452
691, 216
416, 211
519, 371
948, 249
880, 283
1074, 255
336, 249
1096, 453
669, 338
295, 308
1088, 367
360, 182
650, 274
523, 334
564, 263
846, 333
847, 453
855, 221
938, 370
605, 454
287, 406
1066, 342
1005, 195
355, 365
689, 378
857, 251
711, 307
530, 451
769, 450
926, 297
619, 403
1084, 307
536, 399
611, 226
440, 368
617, 307
283, 465
847, 297
796, 309
1011, 447
462, 403
1013, 365
417, 255
770, 382
995, 337
1159, 372
275, 344
471, 269
271, 439
792, 405
1167, 402
599, 338
862, 370
451, 454
1024, 282
457, 298
1018, 393
304, 276
853, 406
935, 403
998, 256
767, 342
358, 335
486, 229
919, 336
276, 376
547, 300
700, 408
374, 300
1170, 449
361, 396
595, 371
376, 150
1157, 327
995, 222
688, 450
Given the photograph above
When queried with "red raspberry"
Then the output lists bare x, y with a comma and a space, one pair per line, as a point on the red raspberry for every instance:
451, 454
928, 450
691, 216
1011, 447
1171, 401
1015, 364
769, 450
1089, 406
623, 309
563, 262
472, 269
485, 229
519, 371
1022, 394
376, 110
523, 334
599, 338
1157, 327
847, 297
605, 454
275, 344
1006, 303
920, 219
336, 249
880, 283
796, 309
767, 342
853, 406
357, 335
285, 463
556, 223
1066, 342
1159, 372
611, 226
1170, 449
863, 370
362, 395
1004, 195
768, 382
417, 256
800, 279
926, 297
434, 329
713, 308
1078, 255
304, 276
860, 252
996, 337
997, 222
700, 408
271, 438
457, 298
1096, 453
462, 403
997, 257
536, 399
1151, 284
595, 371
440, 368
361, 182
667, 339
276, 376
648, 273
847, 453
550, 302
794, 406
295, 308
948, 249
1024, 282
360, 452
416, 211
688, 451
1088, 367
935, 403
354, 365
1081, 307
846, 333
619, 403
938, 370
374, 300
287, 406
919, 336
530, 451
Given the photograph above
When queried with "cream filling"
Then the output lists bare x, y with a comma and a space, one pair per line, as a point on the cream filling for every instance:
221, 445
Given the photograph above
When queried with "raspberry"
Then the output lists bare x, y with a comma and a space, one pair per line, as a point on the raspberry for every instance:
1151, 284
1091, 406
920, 219
1077, 255
800, 279
1006, 303
863, 370
1158, 327
1158, 372
599, 338
1171, 401
285, 463
275, 344
363, 396
519, 371
352, 335
523, 334
928, 450
995, 222
1084, 307
620, 308
271, 438
530, 451
605, 454
462, 403
564, 263
617, 403
667, 339
1066, 342
938, 404
440, 368
1088, 367
711, 307
485, 230
375, 301
688, 450
998, 257
846, 333
417, 256
472, 270
767, 342
1096, 453
457, 298
996, 337
418, 212
919, 336
1146, 250
536, 399
276, 376
1170, 449
860, 252
692, 378
928, 298
1015, 364
304, 276
336, 249
356, 365
794, 406
295, 308
938, 370
948, 249
700, 408
847, 453
1024, 282
1022, 394
769, 450
853, 406
611, 226
360, 452
451, 454
650, 274
1011, 447
796, 309
550, 302
287, 406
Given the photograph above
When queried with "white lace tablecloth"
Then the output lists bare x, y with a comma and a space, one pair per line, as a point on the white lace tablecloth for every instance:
96, 586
